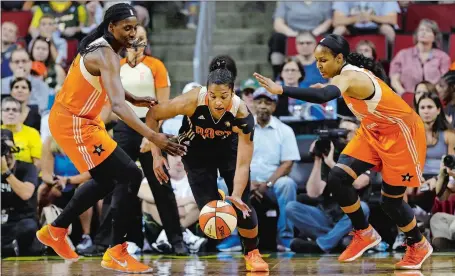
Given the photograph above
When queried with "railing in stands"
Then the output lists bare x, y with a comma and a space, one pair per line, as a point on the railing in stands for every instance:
203, 45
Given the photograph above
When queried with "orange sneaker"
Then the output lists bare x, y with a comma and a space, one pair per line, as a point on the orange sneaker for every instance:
362, 240
254, 262
56, 238
117, 258
415, 255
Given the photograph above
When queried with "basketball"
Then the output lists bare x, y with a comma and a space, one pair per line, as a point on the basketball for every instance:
218, 219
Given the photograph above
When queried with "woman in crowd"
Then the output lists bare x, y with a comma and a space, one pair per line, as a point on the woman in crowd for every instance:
292, 73
20, 90
44, 64
446, 92
421, 88
367, 49
424, 61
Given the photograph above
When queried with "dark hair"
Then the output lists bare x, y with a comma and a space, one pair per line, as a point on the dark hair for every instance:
16, 80
339, 45
219, 74
299, 65
449, 78
369, 44
115, 13
228, 62
441, 123
10, 99
430, 87
49, 61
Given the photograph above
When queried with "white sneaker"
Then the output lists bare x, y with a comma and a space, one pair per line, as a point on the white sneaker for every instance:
133, 249
85, 243
161, 244
193, 242
399, 241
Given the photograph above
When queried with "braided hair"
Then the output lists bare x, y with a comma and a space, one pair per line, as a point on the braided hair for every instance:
449, 78
220, 74
115, 13
338, 45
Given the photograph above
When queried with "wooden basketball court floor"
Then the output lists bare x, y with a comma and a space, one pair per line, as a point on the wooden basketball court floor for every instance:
232, 264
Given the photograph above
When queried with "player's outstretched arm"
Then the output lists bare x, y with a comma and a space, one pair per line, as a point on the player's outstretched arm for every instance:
316, 94
244, 126
109, 66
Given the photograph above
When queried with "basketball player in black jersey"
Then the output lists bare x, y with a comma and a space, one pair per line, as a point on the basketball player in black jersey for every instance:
218, 132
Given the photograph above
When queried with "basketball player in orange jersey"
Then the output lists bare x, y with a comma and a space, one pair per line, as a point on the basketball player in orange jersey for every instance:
391, 138
218, 129
75, 124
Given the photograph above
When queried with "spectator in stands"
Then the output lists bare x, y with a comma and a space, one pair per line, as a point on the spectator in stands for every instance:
247, 88
19, 179
356, 18
421, 88
289, 19
446, 92
20, 90
367, 49
26, 139
60, 180
44, 65
275, 150
440, 137
424, 61
325, 224
305, 44
21, 66
70, 17
47, 29
94, 15
291, 74
9, 39
188, 210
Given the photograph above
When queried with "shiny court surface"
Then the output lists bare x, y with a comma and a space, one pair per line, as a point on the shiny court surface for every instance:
232, 264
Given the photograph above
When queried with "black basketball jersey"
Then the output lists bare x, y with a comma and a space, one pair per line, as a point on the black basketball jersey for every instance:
203, 133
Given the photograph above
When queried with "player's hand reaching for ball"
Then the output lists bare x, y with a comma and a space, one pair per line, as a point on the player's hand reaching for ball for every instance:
158, 168
144, 101
237, 201
163, 141
269, 84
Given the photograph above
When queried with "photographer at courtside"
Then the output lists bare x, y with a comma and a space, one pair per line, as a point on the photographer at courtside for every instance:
19, 221
316, 214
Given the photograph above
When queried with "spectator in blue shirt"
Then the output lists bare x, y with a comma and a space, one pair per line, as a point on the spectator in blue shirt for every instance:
275, 150
365, 18
305, 44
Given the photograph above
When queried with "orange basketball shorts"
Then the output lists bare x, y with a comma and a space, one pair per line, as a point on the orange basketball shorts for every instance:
398, 152
85, 141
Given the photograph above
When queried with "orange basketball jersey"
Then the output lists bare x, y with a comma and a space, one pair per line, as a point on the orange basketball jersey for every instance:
74, 119
391, 135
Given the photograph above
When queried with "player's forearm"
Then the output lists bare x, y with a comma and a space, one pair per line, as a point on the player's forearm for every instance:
153, 124
124, 112
313, 95
129, 97
80, 178
242, 175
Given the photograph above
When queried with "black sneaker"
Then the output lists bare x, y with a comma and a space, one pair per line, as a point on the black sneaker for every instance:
299, 245
93, 251
443, 244
180, 249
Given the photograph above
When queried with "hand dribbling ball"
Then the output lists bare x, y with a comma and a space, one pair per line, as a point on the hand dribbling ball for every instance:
218, 219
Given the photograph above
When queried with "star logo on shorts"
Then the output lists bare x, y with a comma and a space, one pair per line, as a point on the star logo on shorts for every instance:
407, 177
98, 149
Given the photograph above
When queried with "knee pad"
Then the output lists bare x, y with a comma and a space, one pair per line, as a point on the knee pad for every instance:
338, 178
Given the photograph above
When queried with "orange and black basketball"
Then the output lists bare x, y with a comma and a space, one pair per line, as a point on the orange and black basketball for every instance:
218, 219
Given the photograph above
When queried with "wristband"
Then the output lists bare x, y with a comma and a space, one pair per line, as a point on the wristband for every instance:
7, 174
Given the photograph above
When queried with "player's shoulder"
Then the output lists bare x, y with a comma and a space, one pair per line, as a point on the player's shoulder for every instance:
242, 109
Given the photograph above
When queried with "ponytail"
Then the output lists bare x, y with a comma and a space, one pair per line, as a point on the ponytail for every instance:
367, 63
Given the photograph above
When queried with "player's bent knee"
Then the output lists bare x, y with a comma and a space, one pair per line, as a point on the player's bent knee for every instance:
390, 204
339, 176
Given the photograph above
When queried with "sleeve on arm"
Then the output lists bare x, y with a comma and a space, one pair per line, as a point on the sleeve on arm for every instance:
395, 65
36, 17
342, 7
390, 7
280, 11
161, 75
35, 143
82, 15
289, 148
30, 173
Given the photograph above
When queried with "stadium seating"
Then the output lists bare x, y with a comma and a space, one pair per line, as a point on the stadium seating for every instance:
452, 47
21, 18
443, 14
402, 41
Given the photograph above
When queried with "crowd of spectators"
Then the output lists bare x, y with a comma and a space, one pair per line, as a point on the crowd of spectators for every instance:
287, 176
